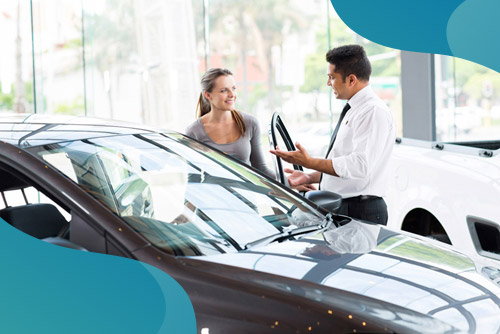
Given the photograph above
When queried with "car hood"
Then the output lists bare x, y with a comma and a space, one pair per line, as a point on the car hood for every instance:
386, 267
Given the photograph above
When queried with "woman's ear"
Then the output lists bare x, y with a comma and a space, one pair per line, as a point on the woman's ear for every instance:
206, 94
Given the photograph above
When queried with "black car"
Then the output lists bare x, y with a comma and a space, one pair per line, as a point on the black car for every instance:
252, 255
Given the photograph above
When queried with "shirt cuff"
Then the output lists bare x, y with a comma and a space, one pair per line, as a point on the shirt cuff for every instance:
339, 165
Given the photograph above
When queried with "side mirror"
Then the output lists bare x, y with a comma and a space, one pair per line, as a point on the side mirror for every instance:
326, 199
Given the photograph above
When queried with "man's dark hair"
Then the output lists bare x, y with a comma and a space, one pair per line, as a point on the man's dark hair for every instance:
350, 59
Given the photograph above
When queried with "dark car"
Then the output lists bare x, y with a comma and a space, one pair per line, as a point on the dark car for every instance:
252, 255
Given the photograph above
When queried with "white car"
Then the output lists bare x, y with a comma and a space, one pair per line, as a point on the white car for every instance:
449, 192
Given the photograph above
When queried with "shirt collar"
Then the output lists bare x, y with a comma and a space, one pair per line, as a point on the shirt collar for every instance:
358, 98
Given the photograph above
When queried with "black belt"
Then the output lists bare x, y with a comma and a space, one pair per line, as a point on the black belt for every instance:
361, 198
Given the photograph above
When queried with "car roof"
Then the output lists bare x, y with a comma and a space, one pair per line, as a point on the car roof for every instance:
25, 130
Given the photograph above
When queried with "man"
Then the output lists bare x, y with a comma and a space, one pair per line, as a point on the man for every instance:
356, 165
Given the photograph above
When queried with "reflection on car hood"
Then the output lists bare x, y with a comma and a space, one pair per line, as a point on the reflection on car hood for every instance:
400, 270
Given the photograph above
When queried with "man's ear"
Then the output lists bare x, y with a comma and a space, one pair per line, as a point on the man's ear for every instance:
352, 79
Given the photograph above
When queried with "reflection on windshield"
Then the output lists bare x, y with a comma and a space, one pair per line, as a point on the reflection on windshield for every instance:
187, 201
354, 237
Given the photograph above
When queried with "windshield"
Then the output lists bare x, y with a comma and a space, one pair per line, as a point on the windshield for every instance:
180, 195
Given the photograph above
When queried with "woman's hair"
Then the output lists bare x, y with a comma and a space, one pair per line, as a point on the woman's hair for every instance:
207, 85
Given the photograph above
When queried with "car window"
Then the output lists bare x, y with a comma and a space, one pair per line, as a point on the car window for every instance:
182, 196
19, 197
34, 210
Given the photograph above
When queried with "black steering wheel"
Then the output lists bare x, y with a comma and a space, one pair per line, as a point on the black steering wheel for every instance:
277, 124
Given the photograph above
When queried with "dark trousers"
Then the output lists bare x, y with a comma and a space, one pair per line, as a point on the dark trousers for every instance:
370, 208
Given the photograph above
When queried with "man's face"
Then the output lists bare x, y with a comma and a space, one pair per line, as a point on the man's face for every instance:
340, 88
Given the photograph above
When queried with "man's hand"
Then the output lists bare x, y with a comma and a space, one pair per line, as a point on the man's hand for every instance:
298, 179
297, 157
305, 187
302, 158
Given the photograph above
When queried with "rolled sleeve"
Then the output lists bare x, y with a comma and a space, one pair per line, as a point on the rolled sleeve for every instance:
340, 166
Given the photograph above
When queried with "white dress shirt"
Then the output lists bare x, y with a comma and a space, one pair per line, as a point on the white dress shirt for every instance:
362, 149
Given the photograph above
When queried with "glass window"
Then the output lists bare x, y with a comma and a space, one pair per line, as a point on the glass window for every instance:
16, 65
58, 57
278, 60
140, 61
467, 100
28, 195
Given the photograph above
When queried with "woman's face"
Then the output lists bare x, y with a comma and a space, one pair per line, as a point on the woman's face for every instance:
223, 95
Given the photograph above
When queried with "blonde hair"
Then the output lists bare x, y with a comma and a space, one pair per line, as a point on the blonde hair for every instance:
207, 85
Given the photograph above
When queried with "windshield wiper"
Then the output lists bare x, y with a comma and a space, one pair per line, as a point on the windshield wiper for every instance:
324, 225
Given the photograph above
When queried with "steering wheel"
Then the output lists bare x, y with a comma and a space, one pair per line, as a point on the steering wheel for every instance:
277, 124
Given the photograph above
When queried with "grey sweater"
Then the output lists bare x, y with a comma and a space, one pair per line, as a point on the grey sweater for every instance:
246, 148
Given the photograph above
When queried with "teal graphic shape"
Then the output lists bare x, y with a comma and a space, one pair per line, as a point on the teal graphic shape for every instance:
465, 29
474, 30
50, 289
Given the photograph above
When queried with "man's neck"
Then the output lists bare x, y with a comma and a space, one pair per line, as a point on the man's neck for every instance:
359, 86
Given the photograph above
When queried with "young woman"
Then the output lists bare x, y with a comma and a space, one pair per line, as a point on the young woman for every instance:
221, 126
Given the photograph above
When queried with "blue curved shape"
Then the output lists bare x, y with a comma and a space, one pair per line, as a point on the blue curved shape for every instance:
473, 32
406, 25
51, 289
